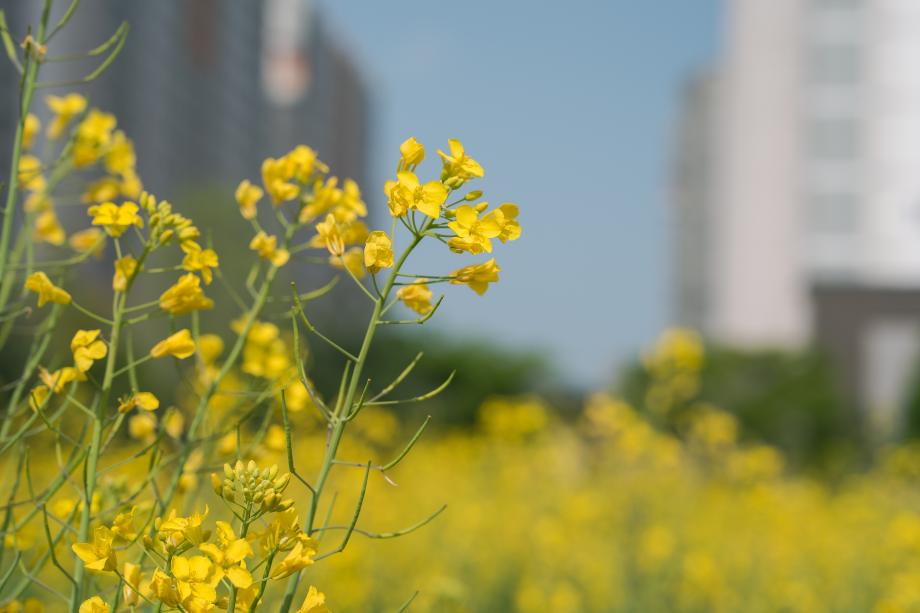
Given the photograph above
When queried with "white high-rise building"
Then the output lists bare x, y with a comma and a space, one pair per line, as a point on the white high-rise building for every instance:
800, 171
813, 164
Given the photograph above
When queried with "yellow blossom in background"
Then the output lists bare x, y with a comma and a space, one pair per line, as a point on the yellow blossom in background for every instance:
411, 154
31, 129
275, 176
87, 347
99, 555
378, 252
185, 296
94, 133
477, 276
473, 233
47, 291
106, 188
142, 400
142, 427
248, 196
30, 173
210, 346
114, 218
352, 259
57, 380
416, 296
94, 605
120, 158
179, 345
303, 163
408, 193
315, 602
201, 261
48, 228
37, 202
123, 529
89, 240
267, 248
65, 108
458, 167
297, 559
327, 231
125, 268
130, 591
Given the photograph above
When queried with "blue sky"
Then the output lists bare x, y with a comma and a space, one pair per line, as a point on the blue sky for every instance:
570, 108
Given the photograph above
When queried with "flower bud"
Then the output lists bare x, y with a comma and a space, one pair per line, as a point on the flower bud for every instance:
473, 195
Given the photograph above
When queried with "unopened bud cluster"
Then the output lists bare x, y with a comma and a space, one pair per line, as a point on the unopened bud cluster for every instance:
248, 485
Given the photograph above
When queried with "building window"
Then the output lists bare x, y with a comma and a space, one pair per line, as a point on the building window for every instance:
834, 213
834, 139
835, 64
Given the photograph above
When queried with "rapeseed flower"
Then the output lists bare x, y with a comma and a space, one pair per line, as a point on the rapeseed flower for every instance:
47, 291
87, 347
416, 296
65, 108
185, 296
407, 192
248, 196
378, 252
477, 276
458, 167
179, 345
411, 154
99, 555
114, 218
267, 248
201, 261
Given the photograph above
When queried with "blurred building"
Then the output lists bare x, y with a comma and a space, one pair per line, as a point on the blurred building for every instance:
207, 89
799, 160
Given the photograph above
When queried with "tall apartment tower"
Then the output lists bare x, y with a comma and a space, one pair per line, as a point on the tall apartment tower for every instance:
803, 163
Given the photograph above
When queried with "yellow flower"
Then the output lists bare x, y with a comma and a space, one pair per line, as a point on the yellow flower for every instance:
185, 296
378, 251
123, 529
179, 345
408, 193
303, 162
65, 108
210, 346
142, 400
472, 233
298, 558
116, 219
37, 202
57, 380
120, 158
88, 240
38, 396
93, 134
267, 248
106, 188
202, 261
458, 167
132, 576
174, 423
229, 555
275, 174
477, 276
141, 427
196, 581
353, 260
30, 173
247, 196
180, 529
505, 217
330, 235
48, 229
416, 296
87, 347
315, 602
98, 555
47, 291
32, 127
125, 268
94, 605
411, 154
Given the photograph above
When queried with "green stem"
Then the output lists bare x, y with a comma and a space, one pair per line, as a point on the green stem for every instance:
340, 419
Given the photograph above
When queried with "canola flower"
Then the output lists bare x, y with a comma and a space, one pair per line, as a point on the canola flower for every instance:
117, 515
